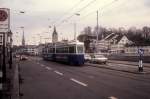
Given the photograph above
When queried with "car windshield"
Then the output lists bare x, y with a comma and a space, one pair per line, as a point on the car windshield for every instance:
86, 55
80, 49
98, 56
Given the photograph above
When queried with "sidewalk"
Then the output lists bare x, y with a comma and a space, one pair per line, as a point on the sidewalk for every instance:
129, 63
10, 87
121, 67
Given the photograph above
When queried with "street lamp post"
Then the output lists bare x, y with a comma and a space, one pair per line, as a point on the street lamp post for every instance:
75, 27
23, 38
97, 33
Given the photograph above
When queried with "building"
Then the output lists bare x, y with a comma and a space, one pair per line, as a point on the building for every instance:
54, 36
133, 50
114, 43
30, 50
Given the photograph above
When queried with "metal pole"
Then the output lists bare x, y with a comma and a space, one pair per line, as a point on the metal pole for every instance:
97, 33
4, 60
40, 39
97, 26
75, 31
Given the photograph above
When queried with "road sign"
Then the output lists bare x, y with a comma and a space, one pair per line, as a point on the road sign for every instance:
4, 20
3, 15
1, 39
140, 51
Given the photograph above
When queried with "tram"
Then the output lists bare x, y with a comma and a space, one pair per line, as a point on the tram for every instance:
67, 52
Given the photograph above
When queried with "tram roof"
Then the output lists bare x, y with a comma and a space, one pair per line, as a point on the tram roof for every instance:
66, 43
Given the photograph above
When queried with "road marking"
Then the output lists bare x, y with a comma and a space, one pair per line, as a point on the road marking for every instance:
59, 73
112, 97
42, 65
78, 82
91, 76
48, 68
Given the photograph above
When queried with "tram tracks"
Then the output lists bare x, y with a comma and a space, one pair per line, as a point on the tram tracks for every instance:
81, 72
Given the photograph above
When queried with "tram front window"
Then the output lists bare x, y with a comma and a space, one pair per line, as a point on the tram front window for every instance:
80, 49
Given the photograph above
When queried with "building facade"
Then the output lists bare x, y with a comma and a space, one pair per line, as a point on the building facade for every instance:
113, 43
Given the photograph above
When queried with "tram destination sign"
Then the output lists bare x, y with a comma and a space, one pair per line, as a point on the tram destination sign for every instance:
4, 20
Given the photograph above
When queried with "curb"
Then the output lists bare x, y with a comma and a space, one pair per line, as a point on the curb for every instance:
98, 66
128, 64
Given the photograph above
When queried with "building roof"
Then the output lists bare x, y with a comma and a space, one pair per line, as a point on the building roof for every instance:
30, 46
115, 37
110, 36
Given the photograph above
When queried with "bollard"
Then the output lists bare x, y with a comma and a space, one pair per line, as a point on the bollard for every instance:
140, 52
140, 66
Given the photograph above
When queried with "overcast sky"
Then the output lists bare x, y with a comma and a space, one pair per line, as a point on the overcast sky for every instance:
40, 14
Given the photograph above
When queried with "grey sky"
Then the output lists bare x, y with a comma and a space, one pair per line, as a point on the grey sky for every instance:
39, 14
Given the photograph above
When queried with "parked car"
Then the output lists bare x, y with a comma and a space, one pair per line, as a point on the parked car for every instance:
99, 59
87, 57
23, 57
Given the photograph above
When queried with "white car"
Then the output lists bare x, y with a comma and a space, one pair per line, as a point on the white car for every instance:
87, 57
99, 59
23, 57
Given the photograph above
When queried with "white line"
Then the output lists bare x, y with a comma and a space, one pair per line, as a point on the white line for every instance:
42, 65
112, 97
91, 76
81, 83
48, 68
59, 73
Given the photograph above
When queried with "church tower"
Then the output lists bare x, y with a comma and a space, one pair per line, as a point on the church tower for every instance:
54, 36
23, 37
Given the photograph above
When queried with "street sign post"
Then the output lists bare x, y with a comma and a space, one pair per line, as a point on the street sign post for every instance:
4, 30
140, 52
1, 39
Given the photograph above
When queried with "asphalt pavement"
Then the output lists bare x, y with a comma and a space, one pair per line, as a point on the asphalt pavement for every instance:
51, 80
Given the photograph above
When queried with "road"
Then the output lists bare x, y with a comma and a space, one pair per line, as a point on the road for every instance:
51, 80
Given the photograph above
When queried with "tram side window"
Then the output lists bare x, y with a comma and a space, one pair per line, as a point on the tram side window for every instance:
72, 49
49, 50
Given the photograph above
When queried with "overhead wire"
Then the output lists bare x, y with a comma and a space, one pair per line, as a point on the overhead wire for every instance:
72, 8
91, 2
98, 9
86, 6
